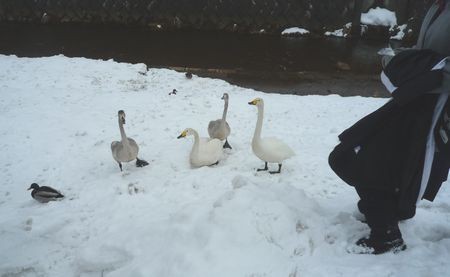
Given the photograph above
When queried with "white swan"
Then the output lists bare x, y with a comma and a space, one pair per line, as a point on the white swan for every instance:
127, 149
219, 128
204, 152
270, 150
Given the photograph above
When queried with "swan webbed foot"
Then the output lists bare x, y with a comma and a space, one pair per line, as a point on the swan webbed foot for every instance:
141, 163
227, 145
276, 172
120, 166
216, 163
263, 169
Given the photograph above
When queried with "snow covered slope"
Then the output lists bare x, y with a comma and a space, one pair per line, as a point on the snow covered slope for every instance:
58, 118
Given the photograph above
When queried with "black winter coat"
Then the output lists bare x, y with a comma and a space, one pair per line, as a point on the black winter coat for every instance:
385, 150
393, 138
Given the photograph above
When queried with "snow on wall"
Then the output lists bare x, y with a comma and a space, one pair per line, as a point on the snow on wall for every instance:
379, 17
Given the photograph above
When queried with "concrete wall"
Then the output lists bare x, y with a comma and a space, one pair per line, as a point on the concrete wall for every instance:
229, 15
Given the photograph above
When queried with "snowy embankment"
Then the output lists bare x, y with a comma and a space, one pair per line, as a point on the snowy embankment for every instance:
379, 17
59, 116
375, 17
295, 31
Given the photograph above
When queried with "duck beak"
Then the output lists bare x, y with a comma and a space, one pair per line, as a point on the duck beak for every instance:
123, 121
182, 135
29, 188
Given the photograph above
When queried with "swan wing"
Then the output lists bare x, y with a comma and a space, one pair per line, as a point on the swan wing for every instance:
216, 130
214, 146
114, 145
133, 149
116, 148
278, 145
124, 153
133, 143
275, 149
227, 129
213, 127
210, 152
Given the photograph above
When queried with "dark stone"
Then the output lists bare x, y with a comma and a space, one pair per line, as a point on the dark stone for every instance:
230, 15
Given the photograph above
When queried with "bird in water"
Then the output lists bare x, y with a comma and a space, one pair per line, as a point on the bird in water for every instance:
44, 194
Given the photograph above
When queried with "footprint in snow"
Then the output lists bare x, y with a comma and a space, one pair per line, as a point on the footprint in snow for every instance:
437, 235
103, 259
133, 189
28, 225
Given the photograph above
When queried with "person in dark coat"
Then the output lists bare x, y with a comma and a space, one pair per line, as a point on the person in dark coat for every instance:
390, 156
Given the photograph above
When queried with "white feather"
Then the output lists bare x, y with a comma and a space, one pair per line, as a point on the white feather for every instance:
270, 150
205, 151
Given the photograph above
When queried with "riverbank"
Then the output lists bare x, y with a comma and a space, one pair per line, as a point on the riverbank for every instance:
267, 63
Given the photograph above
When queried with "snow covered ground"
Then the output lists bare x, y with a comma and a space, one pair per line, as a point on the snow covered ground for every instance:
59, 116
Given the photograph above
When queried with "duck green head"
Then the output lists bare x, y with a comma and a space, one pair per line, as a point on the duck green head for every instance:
33, 186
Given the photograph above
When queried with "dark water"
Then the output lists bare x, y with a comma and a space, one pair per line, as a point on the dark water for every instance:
268, 63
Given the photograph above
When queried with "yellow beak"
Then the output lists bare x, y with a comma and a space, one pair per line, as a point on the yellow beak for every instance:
182, 135
253, 102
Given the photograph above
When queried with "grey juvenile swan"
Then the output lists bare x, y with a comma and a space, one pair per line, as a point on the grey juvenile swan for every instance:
127, 149
219, 128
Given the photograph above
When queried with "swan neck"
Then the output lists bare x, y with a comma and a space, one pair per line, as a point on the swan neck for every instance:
122, 132
225, 110
259, 122
196, 142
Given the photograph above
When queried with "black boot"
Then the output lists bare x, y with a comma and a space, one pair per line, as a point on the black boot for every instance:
362, 210
382, 241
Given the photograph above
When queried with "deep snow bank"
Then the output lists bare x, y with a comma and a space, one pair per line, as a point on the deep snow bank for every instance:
58, 120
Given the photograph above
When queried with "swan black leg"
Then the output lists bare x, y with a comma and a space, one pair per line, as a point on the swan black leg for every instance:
216, 163
141, 163
263, 169
120, 165
276, 172
227, 145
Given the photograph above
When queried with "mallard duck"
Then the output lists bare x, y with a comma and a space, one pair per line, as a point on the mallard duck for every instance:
269, 150
44, 194
205, 151
219, 128
127, 149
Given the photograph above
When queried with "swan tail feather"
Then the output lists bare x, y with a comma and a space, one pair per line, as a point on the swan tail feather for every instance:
141, 163
227, 145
